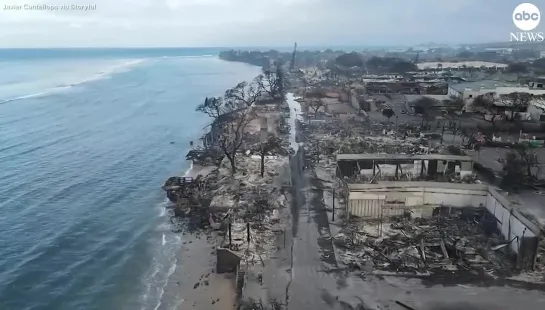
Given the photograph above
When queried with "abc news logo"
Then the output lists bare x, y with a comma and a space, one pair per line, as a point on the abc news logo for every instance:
526, 17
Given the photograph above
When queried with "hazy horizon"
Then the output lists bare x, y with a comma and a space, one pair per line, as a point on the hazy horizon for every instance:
265, 23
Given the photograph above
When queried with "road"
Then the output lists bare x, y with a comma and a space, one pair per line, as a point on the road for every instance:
314, 281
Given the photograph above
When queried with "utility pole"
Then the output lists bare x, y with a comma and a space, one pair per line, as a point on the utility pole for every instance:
230, 239
248, 232
293, 56
333, 214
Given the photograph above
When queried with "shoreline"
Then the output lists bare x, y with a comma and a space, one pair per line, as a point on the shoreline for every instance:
194, 283
199, 286
203, 288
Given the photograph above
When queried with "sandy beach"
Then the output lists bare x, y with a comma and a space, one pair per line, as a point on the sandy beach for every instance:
200, 287
195, 282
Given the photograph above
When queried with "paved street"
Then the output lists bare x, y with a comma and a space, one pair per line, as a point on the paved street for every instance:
312, 250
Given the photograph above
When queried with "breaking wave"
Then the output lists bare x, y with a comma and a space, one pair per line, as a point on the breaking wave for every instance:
124, 67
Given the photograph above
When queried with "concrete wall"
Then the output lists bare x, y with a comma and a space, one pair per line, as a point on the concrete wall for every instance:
514, 227
423, 193
454, 92
227, 261
535, 112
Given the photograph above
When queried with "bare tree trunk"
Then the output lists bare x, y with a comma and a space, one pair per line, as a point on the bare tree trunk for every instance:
231, 158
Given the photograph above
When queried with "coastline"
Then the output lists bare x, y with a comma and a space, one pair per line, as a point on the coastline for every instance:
200, 287
194, 282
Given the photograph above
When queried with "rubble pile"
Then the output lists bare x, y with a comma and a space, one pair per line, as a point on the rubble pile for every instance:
465, 240
262, 241
246, 197
331, 144
184, 190
384, 145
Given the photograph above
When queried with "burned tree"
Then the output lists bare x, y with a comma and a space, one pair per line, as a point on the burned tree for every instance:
281, 81
529, 157
453, 107
315, 105
271, 81
269, 144
244, 93
424, 107
515, 102
488, 109
231, 118
468, 137
268, 82
213, 107
519, 165
388, 113
513, 170
233, 135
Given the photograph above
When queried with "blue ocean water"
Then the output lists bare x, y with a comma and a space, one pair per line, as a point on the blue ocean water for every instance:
87, 138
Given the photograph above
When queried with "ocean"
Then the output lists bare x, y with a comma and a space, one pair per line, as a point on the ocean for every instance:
87, 138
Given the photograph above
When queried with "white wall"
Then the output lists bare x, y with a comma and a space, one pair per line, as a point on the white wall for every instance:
510, 222
534, 112
453, 92
424, 193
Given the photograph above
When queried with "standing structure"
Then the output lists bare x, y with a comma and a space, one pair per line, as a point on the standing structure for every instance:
293, 56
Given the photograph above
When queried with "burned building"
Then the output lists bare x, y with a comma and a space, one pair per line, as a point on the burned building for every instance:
403, 166
465, 210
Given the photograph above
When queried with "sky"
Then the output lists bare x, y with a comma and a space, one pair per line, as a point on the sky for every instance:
208, 23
